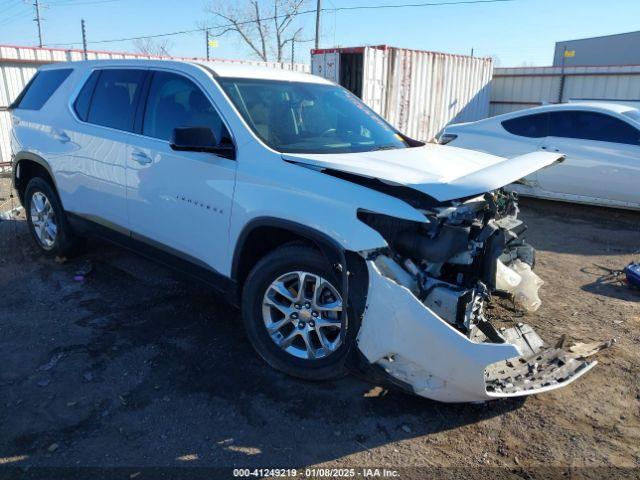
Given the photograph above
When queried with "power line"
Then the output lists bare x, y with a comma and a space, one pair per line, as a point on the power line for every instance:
8, 2
68, 3
4, 21
415, 5
305, 12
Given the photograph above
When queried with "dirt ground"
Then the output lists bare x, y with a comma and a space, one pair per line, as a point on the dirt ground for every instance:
137, 373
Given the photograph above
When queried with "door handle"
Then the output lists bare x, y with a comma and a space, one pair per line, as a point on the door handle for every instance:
140, 157
554, 149
61, 137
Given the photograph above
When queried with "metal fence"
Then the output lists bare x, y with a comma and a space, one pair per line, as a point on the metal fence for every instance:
517, 88
19, 64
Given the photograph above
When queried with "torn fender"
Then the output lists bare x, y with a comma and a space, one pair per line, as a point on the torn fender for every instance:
414, 345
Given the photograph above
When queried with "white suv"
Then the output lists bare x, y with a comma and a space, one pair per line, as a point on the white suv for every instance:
346, 244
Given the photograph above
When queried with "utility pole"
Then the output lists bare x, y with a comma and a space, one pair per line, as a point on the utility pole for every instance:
561, 92
84, 39
37, 20
318, 10
206, 39
293, 51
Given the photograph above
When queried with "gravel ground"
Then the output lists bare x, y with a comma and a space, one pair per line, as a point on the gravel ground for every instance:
8, 198
137, 373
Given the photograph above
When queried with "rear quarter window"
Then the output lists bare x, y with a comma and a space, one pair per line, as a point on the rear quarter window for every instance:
530, 126
82, 103
40, 89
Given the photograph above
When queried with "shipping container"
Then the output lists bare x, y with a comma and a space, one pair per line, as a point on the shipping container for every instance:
418, 92
525, 87
18, 64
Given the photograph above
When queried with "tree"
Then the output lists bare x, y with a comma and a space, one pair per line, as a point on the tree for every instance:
265, 26
150, 46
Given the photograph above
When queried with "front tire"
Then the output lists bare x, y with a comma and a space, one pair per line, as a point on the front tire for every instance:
294, 315
46, 219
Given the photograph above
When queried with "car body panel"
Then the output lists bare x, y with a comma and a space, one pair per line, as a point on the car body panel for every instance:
440, 172
606, 171
594, 172
274, 188
413, 344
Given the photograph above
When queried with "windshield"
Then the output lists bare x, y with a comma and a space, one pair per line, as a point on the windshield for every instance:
633, 115
297, 117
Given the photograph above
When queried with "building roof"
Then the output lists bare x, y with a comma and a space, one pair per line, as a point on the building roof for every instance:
637, 32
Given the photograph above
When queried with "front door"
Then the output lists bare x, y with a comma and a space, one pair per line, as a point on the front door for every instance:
180, 200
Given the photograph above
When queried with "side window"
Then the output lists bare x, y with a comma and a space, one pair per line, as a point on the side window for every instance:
592, 126
81, 105
115, 98
40, 89
175, 101
531, 126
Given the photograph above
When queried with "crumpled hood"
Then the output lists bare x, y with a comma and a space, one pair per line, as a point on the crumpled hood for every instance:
442, 172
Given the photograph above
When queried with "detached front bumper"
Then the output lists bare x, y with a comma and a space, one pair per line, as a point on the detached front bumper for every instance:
414, 345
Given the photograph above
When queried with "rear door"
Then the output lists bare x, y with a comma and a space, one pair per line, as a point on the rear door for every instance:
602, 156
94, 173
180, 200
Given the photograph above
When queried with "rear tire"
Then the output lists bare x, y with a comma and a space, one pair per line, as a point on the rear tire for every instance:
47, 221
293, 314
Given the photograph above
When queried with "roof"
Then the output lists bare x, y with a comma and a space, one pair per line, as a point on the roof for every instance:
613, 107
260, 72
219, 69
618, 108
599, 37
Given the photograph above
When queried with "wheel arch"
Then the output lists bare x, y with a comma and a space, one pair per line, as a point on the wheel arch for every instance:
27, 165
264, 234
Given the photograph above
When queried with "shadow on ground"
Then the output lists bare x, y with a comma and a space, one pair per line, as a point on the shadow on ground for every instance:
135, 366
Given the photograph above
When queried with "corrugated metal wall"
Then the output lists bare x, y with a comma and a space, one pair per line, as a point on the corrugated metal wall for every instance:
375, 79
517, 88
418, 92
428, 90
19, 64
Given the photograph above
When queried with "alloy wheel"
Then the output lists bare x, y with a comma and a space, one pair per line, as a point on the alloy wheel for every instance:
303, 315
43, 219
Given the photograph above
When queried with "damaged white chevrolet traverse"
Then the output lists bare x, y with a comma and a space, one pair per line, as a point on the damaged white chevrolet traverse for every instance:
346, 244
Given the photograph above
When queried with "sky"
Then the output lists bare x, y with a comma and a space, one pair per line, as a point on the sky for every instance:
516, 33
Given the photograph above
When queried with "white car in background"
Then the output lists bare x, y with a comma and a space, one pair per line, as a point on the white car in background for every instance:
601, 142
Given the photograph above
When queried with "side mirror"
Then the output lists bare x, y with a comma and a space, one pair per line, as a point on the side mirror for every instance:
200, 139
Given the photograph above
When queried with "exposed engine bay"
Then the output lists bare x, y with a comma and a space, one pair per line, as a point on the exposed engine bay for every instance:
468, 252
449, 250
